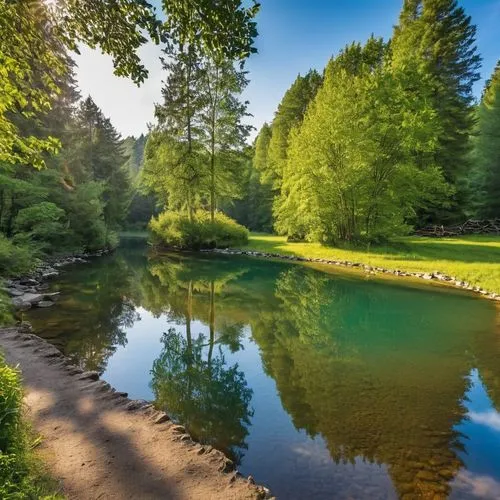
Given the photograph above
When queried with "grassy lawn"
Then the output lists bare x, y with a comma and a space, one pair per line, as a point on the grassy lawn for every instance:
475, 259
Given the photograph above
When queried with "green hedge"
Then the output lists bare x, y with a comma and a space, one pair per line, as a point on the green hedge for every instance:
177, 230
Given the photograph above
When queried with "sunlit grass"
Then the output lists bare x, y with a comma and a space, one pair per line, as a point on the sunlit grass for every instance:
475, 259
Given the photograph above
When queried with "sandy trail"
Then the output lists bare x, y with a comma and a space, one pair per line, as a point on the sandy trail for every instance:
100, 446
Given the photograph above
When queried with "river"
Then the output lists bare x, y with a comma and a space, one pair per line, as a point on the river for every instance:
319, 385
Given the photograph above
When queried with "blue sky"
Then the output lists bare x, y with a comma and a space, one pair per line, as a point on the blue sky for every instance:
294, 36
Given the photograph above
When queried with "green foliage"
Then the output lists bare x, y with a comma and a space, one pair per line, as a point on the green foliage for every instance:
24, 48
351, 171
35, 36
14, 482
178, 230
99, 148
261, 154
79, 200
174, 172
10, 406
43, 222
15, 258
254, 208
133, 150
86, 216
259, 193
439, 38
194, 155
486, 153
221, 118
142, 208
225, 30
6, 309
20, 477
290, 114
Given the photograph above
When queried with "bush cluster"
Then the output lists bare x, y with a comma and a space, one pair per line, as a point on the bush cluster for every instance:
178, 230
16, 257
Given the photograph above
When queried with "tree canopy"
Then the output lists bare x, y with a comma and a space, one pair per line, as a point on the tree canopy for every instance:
118, 28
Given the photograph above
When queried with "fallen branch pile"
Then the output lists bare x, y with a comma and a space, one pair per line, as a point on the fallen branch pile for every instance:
491, 226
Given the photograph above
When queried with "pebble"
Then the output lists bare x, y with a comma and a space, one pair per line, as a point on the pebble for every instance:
45, 303
163, 417
89, 375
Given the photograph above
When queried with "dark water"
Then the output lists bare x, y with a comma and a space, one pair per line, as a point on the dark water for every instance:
319, 385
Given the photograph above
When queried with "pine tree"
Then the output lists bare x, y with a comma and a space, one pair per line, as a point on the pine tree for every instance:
175, 163
487, 147
98, 157
221, 119
440, 37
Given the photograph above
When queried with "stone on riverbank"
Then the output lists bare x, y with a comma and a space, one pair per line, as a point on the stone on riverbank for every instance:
45, 303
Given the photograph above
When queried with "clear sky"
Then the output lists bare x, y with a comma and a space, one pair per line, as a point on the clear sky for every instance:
294, 36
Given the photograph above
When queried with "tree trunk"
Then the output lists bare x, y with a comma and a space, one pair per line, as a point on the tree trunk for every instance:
212, 322
189, 307
212, 185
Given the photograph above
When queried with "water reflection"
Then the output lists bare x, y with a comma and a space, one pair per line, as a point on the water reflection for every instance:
373, 377
203, 392
93, 314
191, 378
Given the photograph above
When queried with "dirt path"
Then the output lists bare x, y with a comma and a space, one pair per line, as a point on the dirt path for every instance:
101, 445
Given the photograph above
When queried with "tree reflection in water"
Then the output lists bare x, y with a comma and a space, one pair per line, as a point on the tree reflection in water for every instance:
199, 389
376, 384
96, 308
379, 372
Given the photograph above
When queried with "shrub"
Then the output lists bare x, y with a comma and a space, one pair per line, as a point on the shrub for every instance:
12, 465
20, 474
45, 224
6, 309
16, 258
10, 406
176, 230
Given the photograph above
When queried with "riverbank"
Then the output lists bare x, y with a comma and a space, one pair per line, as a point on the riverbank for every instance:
31, 289
100, 444
469, 262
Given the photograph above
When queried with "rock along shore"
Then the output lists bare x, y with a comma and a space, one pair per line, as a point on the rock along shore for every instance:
31, 290
435, 276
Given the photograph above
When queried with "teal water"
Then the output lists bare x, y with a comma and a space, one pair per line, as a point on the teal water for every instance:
319, 385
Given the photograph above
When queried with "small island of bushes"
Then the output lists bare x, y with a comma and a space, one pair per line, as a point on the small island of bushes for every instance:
196, 231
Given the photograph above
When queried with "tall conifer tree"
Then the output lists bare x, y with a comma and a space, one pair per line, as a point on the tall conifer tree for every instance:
487, 150
441, 38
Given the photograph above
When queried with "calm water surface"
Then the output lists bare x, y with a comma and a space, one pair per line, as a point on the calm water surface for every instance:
319, 385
